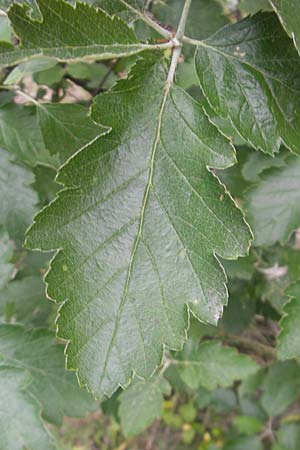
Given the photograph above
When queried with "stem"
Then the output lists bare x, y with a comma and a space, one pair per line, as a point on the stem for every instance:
28, 97
178, 43
191, 41
175, 58
183, 19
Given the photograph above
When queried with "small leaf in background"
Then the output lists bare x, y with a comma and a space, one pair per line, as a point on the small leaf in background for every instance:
6, 253
210, 364
57, 390
248, 425
29, 67
20, 422
67, 128
5, 29
288, 437
288, 343
254, 6
141, 404
281, 387
17, 200
24, 300
289, 14
21, 136
257, 163
44, 183
273, 204
244, 443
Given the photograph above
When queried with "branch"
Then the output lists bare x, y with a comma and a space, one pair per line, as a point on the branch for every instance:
191, 41
181, 27
177, 40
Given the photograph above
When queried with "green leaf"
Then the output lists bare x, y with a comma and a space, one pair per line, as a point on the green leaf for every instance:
21, 136
6, 253
254, 6
249, 72
289, 14
232, 178
68, 33
241, 308
257, 163
44, 183
6, 4
205, 17
288, 437
141, 404
17, 199
26, 302
248, 424
139, 208
278, 395
273, 205
20, 423
288, 341
5, 29
244, 443
243, 268
36, 351
66, 128
46, 133
28, 68
210, 365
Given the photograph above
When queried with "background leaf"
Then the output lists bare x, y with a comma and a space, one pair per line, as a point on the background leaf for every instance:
249, 72
36, 351
141, 404
20, 423
273, 204
17, 199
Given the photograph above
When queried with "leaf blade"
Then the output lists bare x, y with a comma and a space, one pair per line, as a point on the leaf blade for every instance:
248, 71
77, 33
127, 180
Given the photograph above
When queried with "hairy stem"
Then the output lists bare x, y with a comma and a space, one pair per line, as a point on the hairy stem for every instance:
178, 43
183, 19
191, 41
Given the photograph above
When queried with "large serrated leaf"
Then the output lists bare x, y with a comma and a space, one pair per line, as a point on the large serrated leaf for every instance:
273, 205
249, 72
138, 228
36, 351
21, 426
68, 32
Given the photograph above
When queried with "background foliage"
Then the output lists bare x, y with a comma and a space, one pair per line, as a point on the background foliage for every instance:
67, 81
